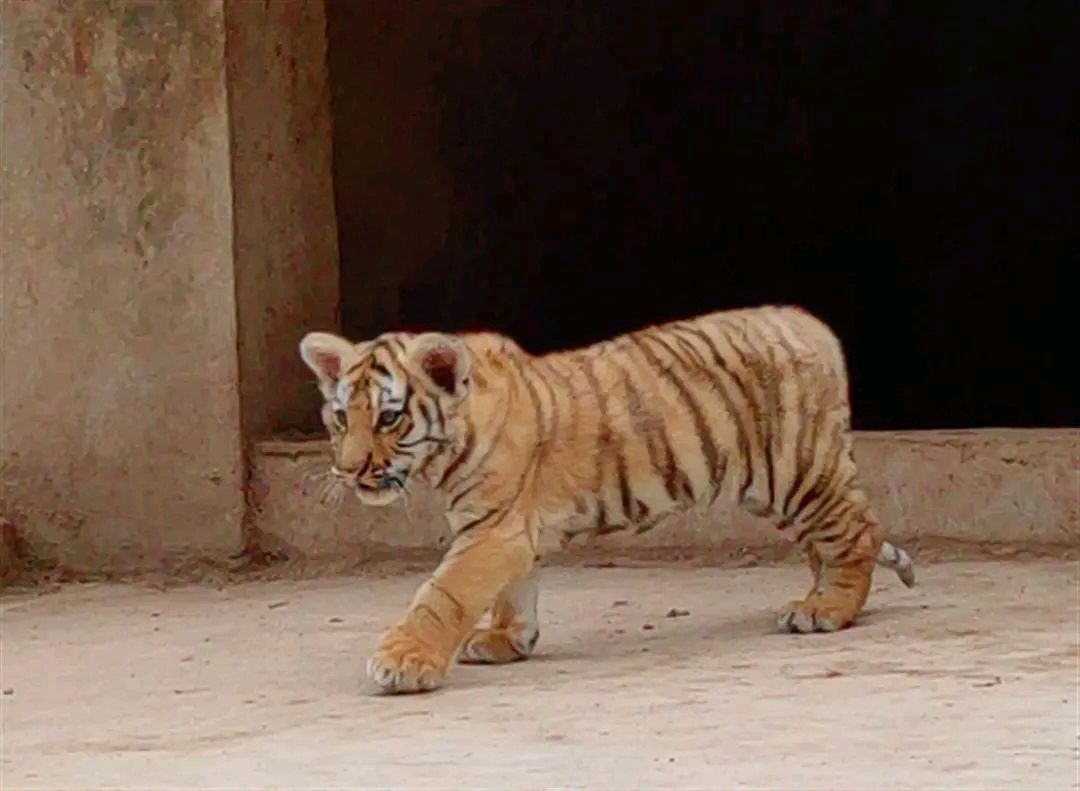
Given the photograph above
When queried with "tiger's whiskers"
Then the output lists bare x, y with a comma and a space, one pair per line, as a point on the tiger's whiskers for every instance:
313, 479
331, 492
406, 496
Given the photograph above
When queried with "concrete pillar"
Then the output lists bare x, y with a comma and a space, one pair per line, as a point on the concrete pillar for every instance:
119, 409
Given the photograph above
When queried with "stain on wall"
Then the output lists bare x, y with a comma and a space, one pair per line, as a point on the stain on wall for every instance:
120, 420
286, 231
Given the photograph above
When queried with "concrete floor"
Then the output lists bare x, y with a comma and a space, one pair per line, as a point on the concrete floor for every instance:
967, 681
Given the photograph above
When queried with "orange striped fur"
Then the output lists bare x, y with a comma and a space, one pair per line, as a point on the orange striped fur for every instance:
748, 405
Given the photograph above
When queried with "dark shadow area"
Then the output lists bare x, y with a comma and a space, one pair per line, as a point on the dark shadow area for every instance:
563, 171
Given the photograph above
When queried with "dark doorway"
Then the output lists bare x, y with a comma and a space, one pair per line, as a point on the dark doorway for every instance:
563, 171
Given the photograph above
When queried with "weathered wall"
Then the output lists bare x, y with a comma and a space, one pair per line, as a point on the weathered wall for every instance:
994, 486
286, 233
119, 409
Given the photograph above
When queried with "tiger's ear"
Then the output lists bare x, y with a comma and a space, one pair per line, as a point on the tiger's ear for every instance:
328, 356
444, 360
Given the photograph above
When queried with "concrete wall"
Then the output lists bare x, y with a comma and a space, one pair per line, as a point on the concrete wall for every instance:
994, 486
120, 417
286, 231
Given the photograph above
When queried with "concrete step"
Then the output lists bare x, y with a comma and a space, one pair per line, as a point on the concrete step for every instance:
987, 486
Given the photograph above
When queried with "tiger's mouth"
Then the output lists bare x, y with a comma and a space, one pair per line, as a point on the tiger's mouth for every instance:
388, 482
386, 489
373, 481
377, 497
374, 488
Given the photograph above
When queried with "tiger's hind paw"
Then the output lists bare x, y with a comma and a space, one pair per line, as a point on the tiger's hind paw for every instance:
497, 646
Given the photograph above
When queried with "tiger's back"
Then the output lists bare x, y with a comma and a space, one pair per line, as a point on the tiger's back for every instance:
741, 405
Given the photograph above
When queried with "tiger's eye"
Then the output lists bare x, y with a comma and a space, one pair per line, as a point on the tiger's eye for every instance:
388, 419
341, 419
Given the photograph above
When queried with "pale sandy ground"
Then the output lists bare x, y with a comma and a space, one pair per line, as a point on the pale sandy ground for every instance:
968, 681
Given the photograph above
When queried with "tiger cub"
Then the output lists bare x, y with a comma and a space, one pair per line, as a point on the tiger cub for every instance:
750, 405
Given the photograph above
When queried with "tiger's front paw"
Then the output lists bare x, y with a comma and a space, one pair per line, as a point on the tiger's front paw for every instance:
816, 613
402, 663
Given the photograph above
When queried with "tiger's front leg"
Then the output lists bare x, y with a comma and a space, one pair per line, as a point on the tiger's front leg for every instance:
514, 627
414, 655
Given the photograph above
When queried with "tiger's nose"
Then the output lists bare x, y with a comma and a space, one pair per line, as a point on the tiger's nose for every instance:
351, 473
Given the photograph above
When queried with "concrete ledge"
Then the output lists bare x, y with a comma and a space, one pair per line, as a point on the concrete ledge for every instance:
992, 486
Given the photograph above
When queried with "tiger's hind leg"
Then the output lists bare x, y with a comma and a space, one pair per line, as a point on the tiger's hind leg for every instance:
814, 560
514, 628
842, 542
889, 556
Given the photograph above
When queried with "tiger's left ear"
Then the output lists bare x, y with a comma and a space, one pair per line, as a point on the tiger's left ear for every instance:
444, 360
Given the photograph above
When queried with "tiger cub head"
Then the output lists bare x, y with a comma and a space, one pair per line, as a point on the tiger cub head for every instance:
392, 406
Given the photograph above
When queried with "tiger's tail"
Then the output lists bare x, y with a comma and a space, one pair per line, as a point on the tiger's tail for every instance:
895, 558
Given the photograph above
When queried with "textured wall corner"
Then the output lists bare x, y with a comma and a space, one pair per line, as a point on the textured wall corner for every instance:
995, 486
286, 231
120, 425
